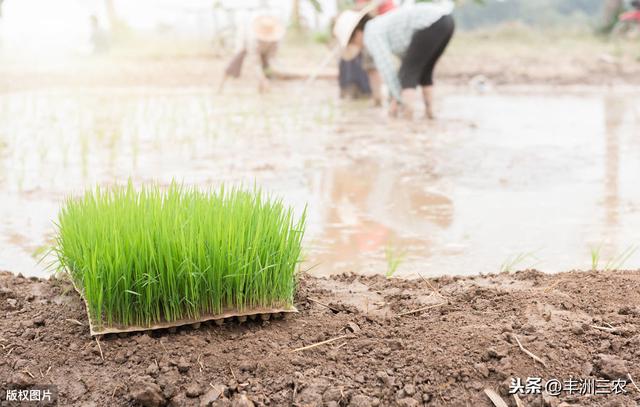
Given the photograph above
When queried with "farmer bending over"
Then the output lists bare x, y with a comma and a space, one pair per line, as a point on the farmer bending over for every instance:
259, 44
356, 70
417, 34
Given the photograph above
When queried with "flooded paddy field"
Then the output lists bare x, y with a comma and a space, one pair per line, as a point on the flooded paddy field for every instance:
506, 179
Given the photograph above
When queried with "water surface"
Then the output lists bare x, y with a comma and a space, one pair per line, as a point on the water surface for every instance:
503, 180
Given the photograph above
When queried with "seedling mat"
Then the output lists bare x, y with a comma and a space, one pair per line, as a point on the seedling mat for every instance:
230, 313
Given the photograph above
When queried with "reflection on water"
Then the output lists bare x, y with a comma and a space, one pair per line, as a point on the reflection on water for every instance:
498, 176
370, 205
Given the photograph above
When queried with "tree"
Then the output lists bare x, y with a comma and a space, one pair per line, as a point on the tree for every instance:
296, 20
611, 11
111, 13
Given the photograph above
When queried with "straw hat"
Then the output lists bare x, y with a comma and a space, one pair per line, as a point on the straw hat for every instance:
268, 28
347, 21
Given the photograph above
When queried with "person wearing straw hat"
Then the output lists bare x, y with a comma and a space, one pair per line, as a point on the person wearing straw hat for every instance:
417, 34
357, 75
259, 45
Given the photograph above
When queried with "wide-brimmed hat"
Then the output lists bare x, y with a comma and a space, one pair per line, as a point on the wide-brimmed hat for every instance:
268, 28
346, 23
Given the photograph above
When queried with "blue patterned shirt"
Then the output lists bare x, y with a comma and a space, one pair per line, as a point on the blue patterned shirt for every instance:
390, 34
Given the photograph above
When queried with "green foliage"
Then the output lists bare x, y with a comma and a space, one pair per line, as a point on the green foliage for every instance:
322, 37
612, 10
394, 258
152, 255
316, 5
618, 262
539, 13
595, 258
517, 260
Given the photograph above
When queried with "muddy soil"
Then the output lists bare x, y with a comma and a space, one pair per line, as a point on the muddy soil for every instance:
581, 325
458, 70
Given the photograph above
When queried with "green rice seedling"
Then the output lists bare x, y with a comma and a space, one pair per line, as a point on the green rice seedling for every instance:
40, 252
595, 258
512, 262
617, 262
147, 256
394, 258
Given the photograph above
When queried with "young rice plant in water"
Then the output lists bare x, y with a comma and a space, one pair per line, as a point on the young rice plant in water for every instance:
151, 255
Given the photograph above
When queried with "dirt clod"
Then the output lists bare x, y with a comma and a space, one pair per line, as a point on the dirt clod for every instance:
332, 394
182, 365
194, 390
152, 370
385, 378
409, 390
39, 321
408, 402
353, 327
360, 400
147, 394
22, 380
242, 401
247, 366
495, 354
612, 367
214, 393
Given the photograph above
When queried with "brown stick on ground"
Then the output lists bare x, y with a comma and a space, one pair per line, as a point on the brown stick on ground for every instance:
552, 286
232, 374
115, 389
537, 359
199, 363
100, 348
495, 398
632, 382
323, 304
604, 328
432, 287
420, 309
320, 343
519, 402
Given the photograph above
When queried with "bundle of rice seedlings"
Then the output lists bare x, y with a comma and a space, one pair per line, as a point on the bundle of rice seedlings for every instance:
149, 256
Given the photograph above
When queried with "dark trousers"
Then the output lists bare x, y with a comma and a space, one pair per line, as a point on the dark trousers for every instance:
426, 47
353, 79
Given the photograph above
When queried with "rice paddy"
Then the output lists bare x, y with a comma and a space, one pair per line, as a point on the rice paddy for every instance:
347, 166
151, 255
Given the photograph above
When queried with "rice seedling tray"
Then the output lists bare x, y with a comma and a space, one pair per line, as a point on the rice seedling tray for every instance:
264, 312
